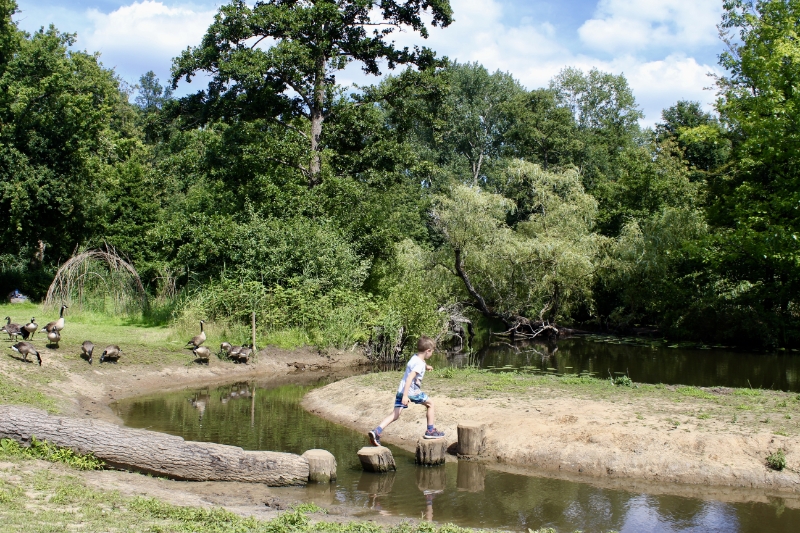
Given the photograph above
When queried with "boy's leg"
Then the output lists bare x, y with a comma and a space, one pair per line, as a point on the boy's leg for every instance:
375, 434
430, 413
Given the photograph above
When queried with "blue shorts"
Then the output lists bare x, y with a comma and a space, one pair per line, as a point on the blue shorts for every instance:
418, 398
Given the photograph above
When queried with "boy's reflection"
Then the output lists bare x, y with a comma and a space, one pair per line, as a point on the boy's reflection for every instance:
431, 481
376, 486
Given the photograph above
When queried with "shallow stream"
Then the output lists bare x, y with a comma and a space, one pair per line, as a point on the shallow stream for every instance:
468, 493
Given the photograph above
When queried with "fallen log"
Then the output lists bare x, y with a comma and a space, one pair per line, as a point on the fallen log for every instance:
151, 452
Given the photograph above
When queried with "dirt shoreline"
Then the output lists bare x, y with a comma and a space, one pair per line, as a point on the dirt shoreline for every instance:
584, 440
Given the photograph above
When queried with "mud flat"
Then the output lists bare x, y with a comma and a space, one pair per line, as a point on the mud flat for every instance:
590, 429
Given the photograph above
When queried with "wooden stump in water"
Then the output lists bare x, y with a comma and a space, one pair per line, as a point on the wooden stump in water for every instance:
471, 476
321, 466
376, 459
152, 452
471, 438
431, 452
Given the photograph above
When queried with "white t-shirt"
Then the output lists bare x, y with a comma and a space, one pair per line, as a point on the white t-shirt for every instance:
415, 364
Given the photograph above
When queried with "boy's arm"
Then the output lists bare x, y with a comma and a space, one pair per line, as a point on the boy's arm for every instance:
409, 379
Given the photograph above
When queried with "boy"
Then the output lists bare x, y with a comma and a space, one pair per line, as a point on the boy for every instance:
409, 389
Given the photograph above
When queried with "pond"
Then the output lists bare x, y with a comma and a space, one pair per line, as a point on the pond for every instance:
465, 493
643, 360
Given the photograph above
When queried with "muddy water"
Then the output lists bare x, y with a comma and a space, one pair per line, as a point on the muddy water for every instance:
465, 493
644, 361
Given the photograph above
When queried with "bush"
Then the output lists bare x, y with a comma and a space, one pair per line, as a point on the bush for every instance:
777, 460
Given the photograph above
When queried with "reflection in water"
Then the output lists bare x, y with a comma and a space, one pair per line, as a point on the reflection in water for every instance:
466, 493
645, 361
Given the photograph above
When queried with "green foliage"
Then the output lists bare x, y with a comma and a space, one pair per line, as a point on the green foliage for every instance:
621, 381
541, 269
41, 449
777, 460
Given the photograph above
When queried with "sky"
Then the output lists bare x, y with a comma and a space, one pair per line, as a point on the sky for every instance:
665, 48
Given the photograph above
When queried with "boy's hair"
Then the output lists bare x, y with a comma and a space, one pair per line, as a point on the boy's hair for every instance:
425, 343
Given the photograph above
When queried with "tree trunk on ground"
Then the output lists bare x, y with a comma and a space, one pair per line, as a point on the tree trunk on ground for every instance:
431, 452
152, 452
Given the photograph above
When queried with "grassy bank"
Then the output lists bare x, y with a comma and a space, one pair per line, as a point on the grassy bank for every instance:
746, 410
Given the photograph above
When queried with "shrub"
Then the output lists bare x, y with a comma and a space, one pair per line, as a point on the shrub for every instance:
777, 460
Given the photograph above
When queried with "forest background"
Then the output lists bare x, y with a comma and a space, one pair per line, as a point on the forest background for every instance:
442, 191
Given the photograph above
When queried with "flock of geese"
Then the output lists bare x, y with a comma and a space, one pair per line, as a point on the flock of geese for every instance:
53, 330
237, 354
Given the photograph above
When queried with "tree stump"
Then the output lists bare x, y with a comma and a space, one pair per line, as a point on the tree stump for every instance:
431, 452
431, 480
376, 484
376, 459
471, 439
471, 476
152, 452
321, 466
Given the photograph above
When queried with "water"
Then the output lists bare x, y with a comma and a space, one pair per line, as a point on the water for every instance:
644, 361
465, 493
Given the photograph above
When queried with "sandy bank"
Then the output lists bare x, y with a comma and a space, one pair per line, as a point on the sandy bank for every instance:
628, 437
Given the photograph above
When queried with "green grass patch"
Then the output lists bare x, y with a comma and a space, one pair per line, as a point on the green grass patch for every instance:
695, 393
41, 449
15, 393
747, 392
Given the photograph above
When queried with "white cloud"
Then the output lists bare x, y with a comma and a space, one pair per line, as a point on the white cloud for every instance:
145, 35
635, 25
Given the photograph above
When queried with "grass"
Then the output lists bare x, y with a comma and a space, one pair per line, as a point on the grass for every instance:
747, 408
41, 449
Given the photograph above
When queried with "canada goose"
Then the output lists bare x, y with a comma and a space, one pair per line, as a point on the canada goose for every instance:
25, 349
54, 337
112, 351
226, 347
244, 354
233, 353
31, 327
88, 348
197, 340
57, 325
202, 352
13, 330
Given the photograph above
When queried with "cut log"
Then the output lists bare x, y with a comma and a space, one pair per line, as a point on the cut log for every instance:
151, 452
431, 480
376, 484
376, 459
321, 466
471, 476
431, 452
471, 439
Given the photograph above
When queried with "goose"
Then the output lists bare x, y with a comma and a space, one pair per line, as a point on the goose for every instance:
197, 340
54, 337
13, 330
25, 349
233, 353
57, 325
88, 347
226, 347
244, 353
202, 352
112, 351
31, 327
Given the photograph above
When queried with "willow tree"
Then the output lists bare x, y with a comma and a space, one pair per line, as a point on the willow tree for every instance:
279, 59
528, 276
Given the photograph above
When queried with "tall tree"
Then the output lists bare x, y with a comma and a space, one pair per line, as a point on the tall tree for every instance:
279, 59
152, 95
475, 121
756, 200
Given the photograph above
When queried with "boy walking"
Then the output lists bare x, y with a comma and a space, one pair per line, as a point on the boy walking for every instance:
410, 389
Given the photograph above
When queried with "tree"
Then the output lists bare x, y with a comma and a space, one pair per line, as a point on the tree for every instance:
279, 59
473, 118
152, 95
755, 201
698, 133
535, 274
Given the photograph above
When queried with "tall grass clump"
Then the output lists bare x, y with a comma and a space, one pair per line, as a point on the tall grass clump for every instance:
99, 281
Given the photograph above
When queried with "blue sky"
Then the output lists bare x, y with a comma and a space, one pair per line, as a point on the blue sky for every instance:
666, 48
